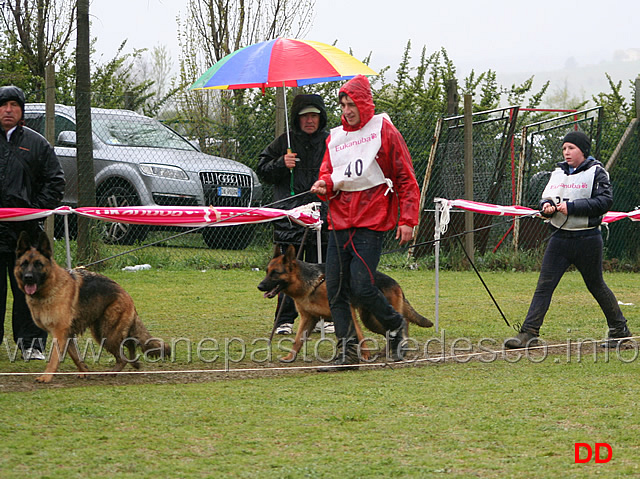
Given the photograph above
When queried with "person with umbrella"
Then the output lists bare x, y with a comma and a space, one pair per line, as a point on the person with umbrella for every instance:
368, 178
291, 164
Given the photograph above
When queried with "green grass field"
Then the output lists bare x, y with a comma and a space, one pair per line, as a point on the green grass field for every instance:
470, 415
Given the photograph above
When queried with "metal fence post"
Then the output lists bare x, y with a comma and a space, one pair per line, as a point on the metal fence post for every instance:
50, 128
468, 172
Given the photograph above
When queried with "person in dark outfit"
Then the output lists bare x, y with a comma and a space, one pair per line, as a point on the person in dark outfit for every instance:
30, 177
292, 169
575, 200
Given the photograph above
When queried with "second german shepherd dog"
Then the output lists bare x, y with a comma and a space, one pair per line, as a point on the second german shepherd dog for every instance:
304, 283
65, 303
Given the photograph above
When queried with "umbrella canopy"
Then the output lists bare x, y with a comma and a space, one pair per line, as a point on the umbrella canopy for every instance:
281, 62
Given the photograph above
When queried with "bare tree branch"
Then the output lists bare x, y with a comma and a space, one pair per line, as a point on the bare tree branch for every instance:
42, 28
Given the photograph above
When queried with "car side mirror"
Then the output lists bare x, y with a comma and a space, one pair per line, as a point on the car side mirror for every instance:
67, 138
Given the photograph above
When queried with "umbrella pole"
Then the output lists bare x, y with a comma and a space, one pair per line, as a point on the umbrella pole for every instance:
286, 126
286, 116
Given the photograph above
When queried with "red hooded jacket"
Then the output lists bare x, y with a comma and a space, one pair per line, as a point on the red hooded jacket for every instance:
371, 208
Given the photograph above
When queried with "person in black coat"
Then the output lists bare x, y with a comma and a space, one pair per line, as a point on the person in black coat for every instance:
575, 200
30, 177
292, 169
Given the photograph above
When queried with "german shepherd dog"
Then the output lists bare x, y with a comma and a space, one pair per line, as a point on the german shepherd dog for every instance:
67, 302
304, 283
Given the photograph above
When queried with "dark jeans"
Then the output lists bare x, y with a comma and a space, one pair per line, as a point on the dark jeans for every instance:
310, 255
584, 250
352, 259
25, 332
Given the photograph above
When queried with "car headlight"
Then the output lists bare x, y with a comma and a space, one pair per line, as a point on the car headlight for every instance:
163, 171
256, 180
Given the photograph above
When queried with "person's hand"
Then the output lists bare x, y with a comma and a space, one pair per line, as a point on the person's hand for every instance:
290, 160
562, 208
404, 234
549, 209
319, 187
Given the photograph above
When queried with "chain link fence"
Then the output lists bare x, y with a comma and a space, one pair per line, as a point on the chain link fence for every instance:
512, 161
192, 154
493, 169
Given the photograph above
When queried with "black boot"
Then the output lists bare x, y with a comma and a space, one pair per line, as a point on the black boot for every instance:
616, 338
396, 343
522, 340
347, 356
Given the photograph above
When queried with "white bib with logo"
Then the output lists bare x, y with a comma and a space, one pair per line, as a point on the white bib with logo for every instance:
353, 157
563, 187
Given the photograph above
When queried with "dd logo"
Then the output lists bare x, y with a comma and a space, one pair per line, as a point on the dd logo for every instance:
598, 447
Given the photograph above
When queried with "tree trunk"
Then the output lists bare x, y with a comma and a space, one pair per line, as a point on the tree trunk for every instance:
86, 179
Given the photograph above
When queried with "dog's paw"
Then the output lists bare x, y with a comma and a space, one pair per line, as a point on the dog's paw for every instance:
45, 378
289, 358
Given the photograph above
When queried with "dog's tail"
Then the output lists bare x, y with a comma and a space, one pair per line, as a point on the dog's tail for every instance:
154, 347
413, 316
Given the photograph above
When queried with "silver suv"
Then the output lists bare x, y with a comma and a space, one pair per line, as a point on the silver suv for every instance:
140, 161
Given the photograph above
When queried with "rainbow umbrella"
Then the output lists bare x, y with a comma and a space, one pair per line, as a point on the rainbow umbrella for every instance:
281, 62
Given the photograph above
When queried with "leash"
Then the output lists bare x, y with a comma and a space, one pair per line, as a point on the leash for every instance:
455, 235
192, 230
425, 243
281, 307
480, 277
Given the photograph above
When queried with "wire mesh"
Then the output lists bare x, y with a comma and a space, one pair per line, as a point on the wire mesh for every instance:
205, 154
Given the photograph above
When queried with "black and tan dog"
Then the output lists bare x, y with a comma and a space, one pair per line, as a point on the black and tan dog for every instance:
65, 303
304, 283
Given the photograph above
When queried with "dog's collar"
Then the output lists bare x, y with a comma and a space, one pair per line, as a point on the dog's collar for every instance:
319, 282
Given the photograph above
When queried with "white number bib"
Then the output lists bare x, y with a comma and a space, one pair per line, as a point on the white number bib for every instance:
562, 187
353, 157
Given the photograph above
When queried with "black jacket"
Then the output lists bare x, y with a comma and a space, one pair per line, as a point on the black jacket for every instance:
271, 168
30, 177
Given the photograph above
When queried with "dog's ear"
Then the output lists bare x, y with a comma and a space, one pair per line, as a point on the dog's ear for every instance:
277, 250
44, 245
290, 254
23, 245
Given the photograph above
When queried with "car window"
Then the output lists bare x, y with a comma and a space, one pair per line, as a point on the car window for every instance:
126, 130
36, 122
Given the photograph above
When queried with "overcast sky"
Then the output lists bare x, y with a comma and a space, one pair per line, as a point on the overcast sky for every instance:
506, 36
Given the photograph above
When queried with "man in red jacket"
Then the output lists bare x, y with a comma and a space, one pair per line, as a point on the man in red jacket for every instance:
367, 176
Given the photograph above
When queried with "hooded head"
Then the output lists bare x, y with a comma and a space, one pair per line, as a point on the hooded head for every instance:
579, 139
308, 104
10, 92
359, 90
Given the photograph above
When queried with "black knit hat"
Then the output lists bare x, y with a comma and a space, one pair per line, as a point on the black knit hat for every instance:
579, 139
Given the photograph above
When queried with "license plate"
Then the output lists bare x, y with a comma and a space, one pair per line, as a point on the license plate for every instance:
229, 191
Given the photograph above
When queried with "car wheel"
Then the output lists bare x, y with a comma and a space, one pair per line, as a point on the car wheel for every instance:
119, 195
228, 237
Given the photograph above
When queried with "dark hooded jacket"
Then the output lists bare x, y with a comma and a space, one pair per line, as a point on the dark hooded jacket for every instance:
30, 177
310, 150
374, 208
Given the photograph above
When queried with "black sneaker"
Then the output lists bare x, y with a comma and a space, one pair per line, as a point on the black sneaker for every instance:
396, 343
616, 339
522, 340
